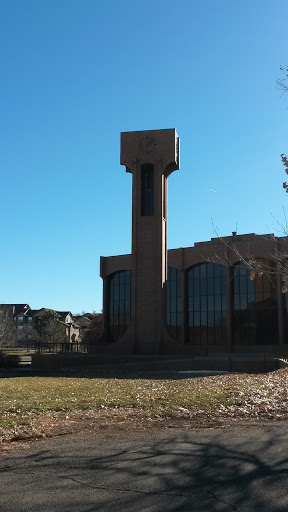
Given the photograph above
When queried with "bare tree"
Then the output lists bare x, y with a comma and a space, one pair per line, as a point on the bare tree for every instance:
50, 328
259, 267
29, 336
7, 328
282, 81
285, 163
95, 328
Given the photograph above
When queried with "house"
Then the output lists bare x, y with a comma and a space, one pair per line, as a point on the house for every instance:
66, 318
72, 328
84, 321
25, 319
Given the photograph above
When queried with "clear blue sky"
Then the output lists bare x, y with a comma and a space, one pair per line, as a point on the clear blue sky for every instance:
74, 74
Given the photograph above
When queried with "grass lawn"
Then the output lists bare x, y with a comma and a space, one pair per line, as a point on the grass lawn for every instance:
34, 405
19, 351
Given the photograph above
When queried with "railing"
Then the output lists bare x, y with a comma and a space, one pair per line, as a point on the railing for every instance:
61, 348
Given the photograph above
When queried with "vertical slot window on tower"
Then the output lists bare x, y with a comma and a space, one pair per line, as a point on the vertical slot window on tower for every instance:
147, 190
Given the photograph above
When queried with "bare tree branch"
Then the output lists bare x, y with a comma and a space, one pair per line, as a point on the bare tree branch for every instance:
282, 82
7, 328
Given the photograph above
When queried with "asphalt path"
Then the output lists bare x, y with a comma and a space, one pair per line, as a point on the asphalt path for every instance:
169, 470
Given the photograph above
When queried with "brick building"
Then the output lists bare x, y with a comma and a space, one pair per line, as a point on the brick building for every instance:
24, 320
189, 300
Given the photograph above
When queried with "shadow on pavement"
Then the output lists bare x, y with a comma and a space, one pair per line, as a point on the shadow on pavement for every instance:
206, 471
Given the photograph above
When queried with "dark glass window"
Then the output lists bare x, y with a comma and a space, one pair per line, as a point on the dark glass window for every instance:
174, 302
147, 189
119, 307
285, 299
207, 310
255, 312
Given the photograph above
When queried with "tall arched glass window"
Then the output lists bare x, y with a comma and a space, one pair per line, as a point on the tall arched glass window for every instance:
119, 304
284, 270
174, 302
207, 307
255, 312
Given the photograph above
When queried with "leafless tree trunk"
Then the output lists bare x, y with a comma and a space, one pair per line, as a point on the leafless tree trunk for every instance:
29, 336
7, 328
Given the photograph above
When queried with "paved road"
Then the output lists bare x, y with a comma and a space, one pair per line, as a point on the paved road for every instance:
173, 470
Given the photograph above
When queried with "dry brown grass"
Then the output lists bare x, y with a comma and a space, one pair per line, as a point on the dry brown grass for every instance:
34, 406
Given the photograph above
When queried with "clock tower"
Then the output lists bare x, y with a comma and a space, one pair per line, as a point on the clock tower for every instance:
150, 156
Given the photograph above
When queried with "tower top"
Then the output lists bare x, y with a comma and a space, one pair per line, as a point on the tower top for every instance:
151, 146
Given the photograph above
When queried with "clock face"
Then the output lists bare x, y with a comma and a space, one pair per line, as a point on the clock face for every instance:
147, 145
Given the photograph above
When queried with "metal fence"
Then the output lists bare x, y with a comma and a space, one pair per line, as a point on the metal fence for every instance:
61, 348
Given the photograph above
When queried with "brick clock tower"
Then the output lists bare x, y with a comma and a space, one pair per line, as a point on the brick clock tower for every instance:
150, 156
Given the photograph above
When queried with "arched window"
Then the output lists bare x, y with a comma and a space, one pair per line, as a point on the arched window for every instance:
119, 304
174, 302
207, 308
255, 312
284, 271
